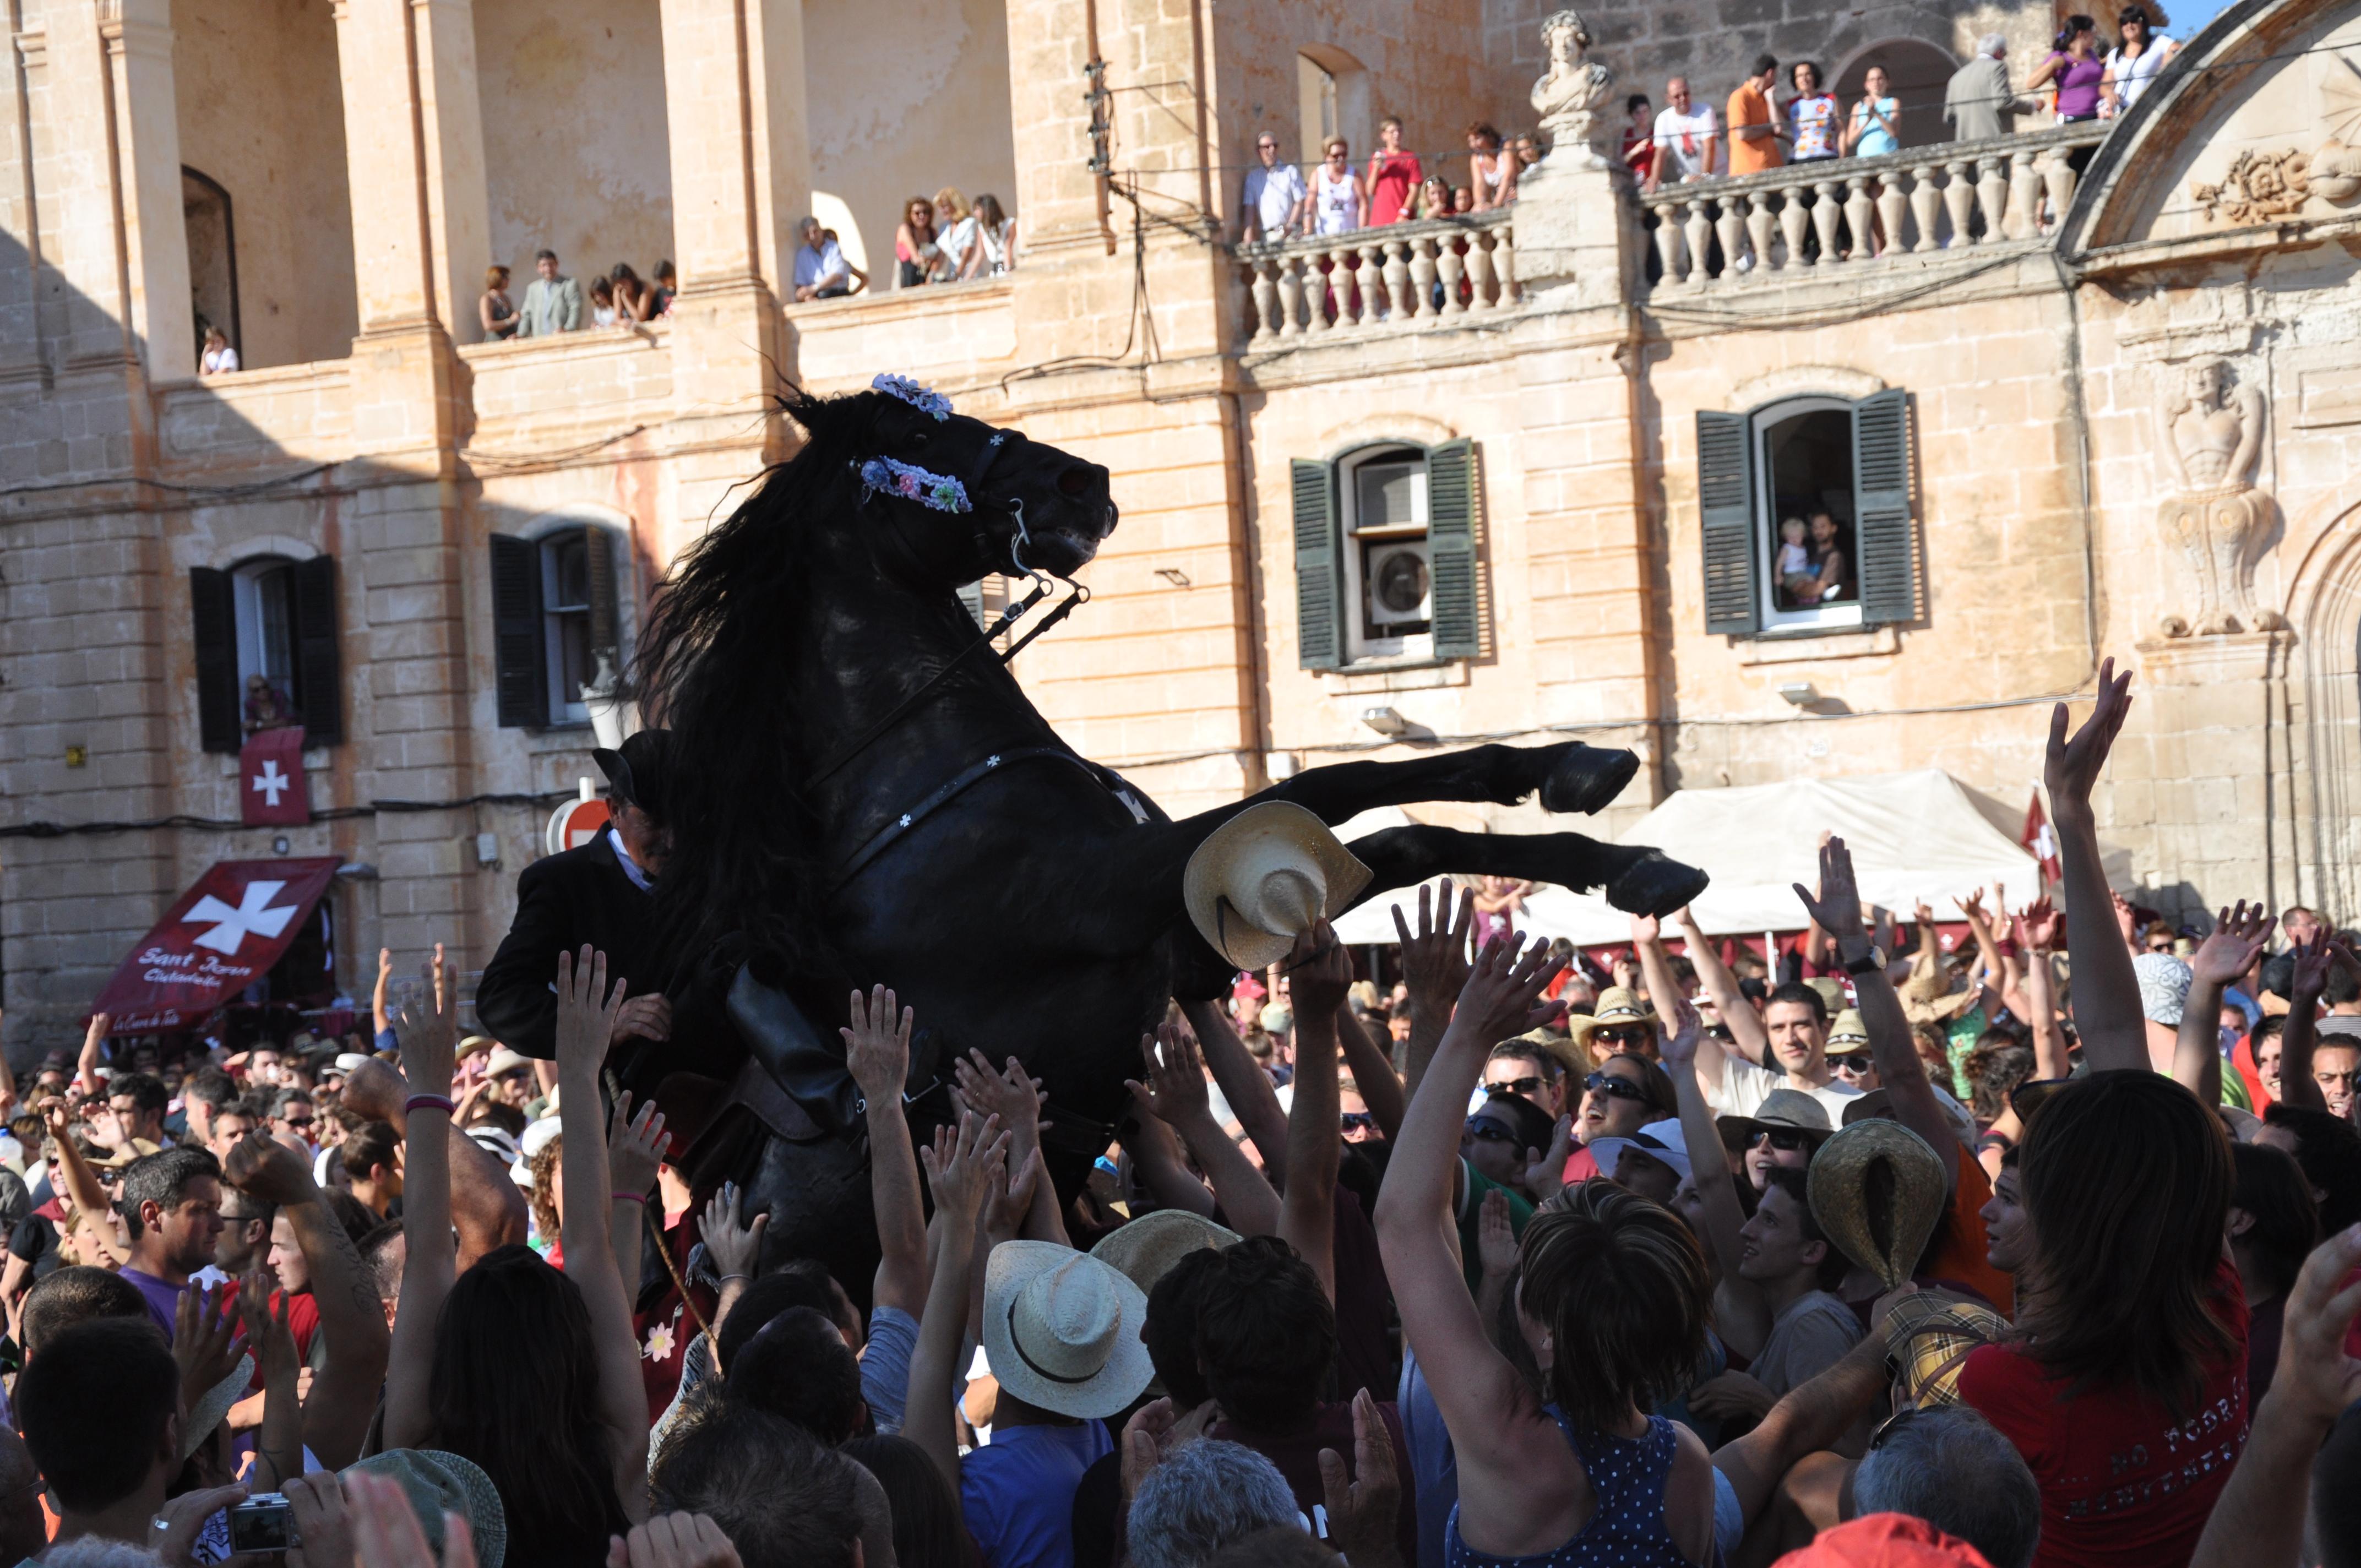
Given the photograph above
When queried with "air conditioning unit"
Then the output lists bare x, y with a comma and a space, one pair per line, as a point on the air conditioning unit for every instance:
1396, 581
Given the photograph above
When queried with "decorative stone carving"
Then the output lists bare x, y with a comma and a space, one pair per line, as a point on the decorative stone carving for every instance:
1571, 93
2335, 169
2211, 439
2260, 186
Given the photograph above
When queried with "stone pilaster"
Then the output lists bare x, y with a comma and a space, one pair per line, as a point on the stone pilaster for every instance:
451, 123
2194, 771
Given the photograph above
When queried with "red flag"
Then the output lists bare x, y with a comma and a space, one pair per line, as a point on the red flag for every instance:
217, 939
271, 788
2040, 842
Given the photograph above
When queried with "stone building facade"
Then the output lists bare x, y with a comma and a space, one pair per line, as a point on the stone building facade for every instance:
1515, 477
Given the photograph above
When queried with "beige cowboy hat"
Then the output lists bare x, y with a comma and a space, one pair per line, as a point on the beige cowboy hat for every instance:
1145, 1250
1847, 1034
1261, 878
1790, 1108
1061, 1330
1878, 1192
1617, 1005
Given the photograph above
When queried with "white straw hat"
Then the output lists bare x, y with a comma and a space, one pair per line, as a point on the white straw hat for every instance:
1062, 1330
1260, 879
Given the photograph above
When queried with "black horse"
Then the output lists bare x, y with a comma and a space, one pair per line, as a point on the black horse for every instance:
865, 794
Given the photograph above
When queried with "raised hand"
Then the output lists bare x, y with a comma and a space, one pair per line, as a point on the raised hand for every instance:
2127, 918
961, 1166
877, 1047
1320, 973
1496, 1238
1683, 1028
1971, 905
1175, 1091
635, 1145
1010, 1094
585, 1016
2314, 961
2036, 926
1503, 990
2072, 766
1434, 961
2316, 1368
732, 1248
673, 1540
2230, 950
1011, 1195
1361, 1512
205, 1340
427, 1028
1837, 910
1647, 928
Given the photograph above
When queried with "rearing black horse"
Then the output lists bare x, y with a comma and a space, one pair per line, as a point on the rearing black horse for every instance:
865, 795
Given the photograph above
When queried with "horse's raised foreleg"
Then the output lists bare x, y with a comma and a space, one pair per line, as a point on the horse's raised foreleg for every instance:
1638, 879
1570, 776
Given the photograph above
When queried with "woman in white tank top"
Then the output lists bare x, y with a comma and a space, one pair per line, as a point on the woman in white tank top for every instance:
1340, 202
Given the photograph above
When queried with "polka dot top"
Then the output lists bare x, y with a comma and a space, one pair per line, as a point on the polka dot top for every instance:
1628, 1476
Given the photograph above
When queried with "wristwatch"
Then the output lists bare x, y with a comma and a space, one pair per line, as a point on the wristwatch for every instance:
1870, 962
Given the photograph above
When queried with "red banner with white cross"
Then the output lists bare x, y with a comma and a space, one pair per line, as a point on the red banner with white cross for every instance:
271, 791
218, 937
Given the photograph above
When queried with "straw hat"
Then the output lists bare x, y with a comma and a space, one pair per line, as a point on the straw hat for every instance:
1261, 878
213, 1405
1618, 1006
1789, 1108
1878, 1192
1061, 1330
436, 1484
1848, 1034
1145, 1250
504, 1061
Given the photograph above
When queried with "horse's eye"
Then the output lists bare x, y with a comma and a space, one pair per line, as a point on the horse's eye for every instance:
920, 436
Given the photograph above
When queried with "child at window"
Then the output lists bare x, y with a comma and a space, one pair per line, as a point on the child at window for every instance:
1795, 573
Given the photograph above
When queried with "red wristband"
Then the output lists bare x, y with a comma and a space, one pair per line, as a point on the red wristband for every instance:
639, 1198
427, 1103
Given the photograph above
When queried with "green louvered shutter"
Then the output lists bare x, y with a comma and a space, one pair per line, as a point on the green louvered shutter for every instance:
212, 599
1725, 512
1319, 550
1450, 477
1883, 535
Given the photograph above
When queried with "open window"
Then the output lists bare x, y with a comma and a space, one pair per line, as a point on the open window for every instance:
1385, 555
557, 622
1805, 505
265, 638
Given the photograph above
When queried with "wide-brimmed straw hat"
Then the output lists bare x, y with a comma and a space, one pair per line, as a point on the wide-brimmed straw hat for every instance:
1261, 878
1788, 1108
1061, 1330
1144, 1250
1847, 1034
437, 1483
1878, 1192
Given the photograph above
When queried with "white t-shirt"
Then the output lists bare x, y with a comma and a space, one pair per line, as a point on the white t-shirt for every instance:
1273, 193
2132, 75
815, 266
1744, 1086
1681, 141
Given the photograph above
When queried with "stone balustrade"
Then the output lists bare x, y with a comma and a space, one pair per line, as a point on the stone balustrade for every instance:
1855, 211
1399, 278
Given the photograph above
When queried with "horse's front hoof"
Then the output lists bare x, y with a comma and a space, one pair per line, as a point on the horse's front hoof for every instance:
1655, 884
1587, 779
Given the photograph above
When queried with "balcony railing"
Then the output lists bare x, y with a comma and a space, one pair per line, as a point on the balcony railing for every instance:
1814, 216
1399, 278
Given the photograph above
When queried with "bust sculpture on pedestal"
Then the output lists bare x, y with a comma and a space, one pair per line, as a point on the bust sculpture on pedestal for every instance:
2211, 439
1570, 95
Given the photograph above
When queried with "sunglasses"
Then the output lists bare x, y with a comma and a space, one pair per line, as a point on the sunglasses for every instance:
1357, 1121
1624, 1035
1614, 1088
1485, 1130
1852, 1065
1783, 1139
1527, 1085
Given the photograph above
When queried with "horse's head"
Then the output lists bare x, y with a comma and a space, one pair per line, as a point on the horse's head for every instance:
965, 498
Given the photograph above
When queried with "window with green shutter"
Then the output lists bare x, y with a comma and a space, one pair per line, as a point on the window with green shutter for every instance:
1386, 555
1319, 619
1887, 534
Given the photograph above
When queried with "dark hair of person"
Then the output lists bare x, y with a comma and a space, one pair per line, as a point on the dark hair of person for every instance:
1797, 991
544, 253
372, 1146
798, 1283
385, 1255
1266, 1335
1362, 1171
2328, 1147
1621, 1284
783, 1499
117, 1366
1525, 1050
1482, 131
1658, 1086
622, 273
2127, 1182
1170, 1329
1765, 62
1802, 65
213, 1086
2339, 988
144, 1090
1796, 1184
1636, 101
515, 1387
2271, 1189
162, 1180
77, 1294
1993, 1072
360, 1220
928, 1533
988, 214
2269, 1027
798, 1367
2078, 23
1532, 1125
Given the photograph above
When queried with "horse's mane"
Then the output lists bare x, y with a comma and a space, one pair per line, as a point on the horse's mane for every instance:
740, 885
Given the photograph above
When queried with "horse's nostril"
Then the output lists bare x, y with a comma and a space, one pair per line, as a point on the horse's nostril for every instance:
1074, 484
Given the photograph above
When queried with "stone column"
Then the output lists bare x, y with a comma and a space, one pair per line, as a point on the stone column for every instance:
20, 240
1577, 226
451, 123
138, 36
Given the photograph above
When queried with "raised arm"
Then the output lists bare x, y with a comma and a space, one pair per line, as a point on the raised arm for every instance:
587, 1008
1373, 1074
2036, 938
378, 1014
1155, 1158
1015, 1097
1175, 1094
2107, 1014
1721, 987
428, 1041
1812, 1415
2313, 960
1434, 968
1988, 960
635, 1146
1890, 1041
877, 1049
86, 1083
959, 1167
352, 1320
1243, 1083
2237, 936
1740, 1314
1322, 973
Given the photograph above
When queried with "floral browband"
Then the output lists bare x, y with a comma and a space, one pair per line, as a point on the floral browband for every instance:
890, 476
926, 399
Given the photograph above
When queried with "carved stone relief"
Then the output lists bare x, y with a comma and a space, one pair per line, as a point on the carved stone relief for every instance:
2210, 436
1571, 93
2261, 186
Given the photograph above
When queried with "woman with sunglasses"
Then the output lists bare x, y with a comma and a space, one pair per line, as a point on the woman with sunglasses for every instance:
1622, 1094
1848, 1053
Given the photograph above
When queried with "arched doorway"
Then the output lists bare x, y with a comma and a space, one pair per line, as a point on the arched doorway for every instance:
212, 255
1916, 73
1331, 99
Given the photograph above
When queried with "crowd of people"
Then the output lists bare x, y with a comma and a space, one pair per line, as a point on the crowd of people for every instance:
556, 303
1280, 200
950, 239
1770, 121
2038, 1247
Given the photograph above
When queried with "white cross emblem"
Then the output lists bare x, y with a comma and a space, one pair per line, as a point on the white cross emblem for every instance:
253, 913
273, 782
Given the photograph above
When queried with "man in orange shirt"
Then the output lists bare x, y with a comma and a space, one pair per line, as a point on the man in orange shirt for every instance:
1753, 115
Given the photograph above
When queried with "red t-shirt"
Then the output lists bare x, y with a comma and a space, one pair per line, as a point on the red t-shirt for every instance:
2122, 1484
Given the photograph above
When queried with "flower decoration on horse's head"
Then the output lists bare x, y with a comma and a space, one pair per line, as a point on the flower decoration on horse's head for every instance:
939, 492
926, 399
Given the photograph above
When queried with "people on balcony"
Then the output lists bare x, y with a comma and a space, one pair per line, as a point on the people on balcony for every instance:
634, 300
1340, 201
1871, 132
1686, 138
955, 221
552, 301
1754, 132
915, 249
1492, 172
668, 288
1812, 116
495, 311
1392, 175
2132, 63
603, 302
1639, 149
1978, 102
1275, 202
995, 251
219, 357
822, 271
2076, 71
1435, 198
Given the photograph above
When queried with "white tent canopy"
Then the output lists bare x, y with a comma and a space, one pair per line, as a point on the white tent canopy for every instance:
1912, 836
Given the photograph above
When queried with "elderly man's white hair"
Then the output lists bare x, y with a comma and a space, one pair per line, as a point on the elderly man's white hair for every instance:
90, 1551
1952, 1469
1991, 44
1207, 1495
